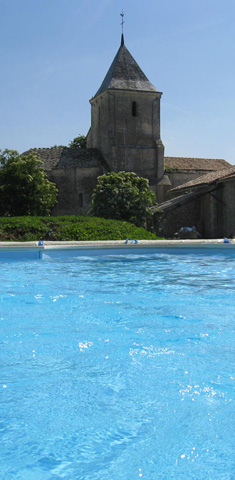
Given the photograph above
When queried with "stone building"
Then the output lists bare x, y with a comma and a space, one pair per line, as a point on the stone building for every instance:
75, 172
125, 120
124, 135
206, 202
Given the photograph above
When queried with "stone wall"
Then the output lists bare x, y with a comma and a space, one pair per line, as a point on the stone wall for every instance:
222, 209
75, 186
218, 212
169, 221
212, 212
229, 211
129, 138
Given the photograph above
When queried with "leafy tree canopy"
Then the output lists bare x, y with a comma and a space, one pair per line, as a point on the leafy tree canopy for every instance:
78, 142
7, 155
123, 196
24, 187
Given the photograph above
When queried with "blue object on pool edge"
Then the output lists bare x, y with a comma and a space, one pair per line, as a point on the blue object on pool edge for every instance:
226, 240
132, 241
40, 242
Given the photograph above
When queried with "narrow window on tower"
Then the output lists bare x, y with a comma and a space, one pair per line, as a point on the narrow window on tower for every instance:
134, 109
80, 200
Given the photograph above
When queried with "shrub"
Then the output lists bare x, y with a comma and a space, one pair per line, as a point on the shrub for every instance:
69, 228
123, 196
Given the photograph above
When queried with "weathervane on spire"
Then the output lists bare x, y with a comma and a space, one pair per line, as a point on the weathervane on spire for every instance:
122, 23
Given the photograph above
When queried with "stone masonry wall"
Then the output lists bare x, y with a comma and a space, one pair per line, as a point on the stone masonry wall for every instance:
75, 186
168, 222
128, 142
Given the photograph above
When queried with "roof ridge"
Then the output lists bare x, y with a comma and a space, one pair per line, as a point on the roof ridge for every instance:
194, 163
207, 178
194, 158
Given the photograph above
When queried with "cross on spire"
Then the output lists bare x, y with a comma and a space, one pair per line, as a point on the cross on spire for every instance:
122, 23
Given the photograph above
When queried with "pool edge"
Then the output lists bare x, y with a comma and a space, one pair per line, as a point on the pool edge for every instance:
109, 244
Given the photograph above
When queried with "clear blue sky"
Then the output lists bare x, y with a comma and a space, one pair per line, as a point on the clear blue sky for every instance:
54, 55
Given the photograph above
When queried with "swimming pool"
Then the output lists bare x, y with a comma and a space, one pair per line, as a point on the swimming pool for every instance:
118, 367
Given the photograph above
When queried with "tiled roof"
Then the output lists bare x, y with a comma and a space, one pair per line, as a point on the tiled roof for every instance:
176, 201
65, 157
203, 164
125, 74
49, 156
207, 179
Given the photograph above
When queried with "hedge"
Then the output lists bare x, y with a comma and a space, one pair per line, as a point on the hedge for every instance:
69, 228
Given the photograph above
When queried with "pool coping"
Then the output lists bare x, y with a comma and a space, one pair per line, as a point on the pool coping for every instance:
108, 244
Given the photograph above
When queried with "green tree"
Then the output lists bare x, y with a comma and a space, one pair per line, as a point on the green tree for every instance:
6, 155
24, 187
123, 196
78, 142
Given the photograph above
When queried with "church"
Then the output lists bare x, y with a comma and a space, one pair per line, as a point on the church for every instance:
124, 136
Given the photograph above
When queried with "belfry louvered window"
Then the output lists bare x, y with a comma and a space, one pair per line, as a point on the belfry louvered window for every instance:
134, 109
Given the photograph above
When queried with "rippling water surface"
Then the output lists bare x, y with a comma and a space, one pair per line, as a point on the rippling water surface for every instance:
118, 368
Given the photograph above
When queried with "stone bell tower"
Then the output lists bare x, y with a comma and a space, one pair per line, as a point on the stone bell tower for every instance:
125, 120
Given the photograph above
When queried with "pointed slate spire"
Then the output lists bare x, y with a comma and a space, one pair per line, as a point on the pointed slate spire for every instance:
125, 74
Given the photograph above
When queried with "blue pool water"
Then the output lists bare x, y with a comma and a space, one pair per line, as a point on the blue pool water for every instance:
118, 368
